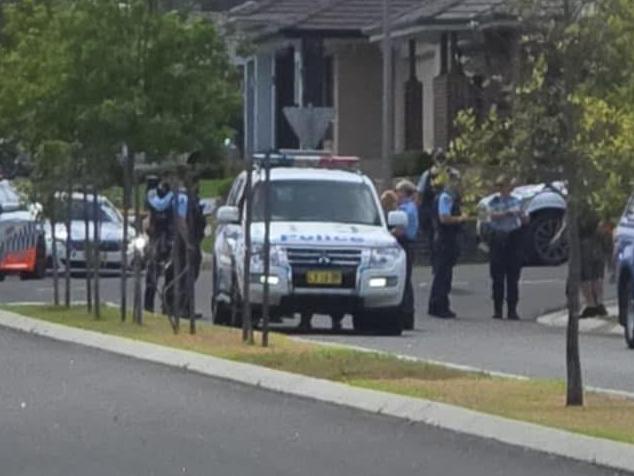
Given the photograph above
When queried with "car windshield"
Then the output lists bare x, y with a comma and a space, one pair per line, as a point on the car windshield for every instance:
8, 195
326, 201
79, 211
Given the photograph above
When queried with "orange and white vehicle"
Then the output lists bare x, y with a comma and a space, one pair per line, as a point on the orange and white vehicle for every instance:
22, 242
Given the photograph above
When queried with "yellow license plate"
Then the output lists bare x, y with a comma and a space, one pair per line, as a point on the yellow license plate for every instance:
324, 278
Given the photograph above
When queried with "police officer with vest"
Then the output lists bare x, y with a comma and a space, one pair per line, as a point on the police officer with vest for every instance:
159, 203
505, 237
448, 220
406, 192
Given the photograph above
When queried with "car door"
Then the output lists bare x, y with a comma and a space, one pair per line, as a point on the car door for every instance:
226, 238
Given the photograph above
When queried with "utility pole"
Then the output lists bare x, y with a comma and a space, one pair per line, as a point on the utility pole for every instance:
388, 115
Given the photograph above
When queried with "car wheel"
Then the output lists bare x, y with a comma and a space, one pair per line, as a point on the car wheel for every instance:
543, 228
386, 322
626, 306
220, 311
360, 323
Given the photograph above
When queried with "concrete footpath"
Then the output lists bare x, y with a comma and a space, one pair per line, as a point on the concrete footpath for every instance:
608, 326
558, 442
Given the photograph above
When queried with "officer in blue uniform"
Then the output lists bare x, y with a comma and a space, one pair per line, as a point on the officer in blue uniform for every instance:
448, 220
505, 247
159, 202
406, 192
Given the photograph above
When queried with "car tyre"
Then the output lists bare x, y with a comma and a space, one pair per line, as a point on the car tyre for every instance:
384, 322
220, 311
543, 227
626, 308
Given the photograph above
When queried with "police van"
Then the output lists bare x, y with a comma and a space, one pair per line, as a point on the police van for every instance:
331, 250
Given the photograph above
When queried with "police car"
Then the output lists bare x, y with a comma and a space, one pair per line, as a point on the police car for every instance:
22, 246
331, 249
624, 255
110, 235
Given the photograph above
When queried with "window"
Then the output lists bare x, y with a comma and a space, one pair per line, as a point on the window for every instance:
318, 201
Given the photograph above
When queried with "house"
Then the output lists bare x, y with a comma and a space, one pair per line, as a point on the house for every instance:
448, 54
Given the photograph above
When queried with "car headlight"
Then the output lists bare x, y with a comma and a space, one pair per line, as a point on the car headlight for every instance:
139, 244
277, 257
384, 257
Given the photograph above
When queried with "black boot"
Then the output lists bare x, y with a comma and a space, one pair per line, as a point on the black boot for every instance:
497, 310
512, 316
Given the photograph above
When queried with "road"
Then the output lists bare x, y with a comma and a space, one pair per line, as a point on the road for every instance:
474, 339
67, 409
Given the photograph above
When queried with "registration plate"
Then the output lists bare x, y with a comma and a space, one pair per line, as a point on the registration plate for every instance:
324, 278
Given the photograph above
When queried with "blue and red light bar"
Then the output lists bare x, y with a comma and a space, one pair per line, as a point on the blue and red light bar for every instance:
317, 159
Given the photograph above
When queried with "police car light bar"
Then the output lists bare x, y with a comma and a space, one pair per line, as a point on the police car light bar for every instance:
317, 159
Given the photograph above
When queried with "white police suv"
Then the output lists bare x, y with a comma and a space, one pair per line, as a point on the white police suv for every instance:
331, 250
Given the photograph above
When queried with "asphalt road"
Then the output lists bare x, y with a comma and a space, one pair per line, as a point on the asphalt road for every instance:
474, 339
69, 410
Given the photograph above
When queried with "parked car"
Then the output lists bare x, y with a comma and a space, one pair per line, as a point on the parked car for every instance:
545, 205
110, 234
331, 250
624, 264
22, 243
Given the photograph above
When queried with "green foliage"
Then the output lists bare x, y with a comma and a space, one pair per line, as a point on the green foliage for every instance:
100, 74
411, 163
573, 109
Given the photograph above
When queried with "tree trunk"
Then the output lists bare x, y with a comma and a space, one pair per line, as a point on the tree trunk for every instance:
138, 305
96, 256
54, 256
247, 323
69, 243
87, 251
126, 238
574, 393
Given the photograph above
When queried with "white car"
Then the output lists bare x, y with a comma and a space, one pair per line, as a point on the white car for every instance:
110, 234
545, 205
331, 250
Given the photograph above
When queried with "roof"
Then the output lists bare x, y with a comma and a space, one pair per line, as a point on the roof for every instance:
449, 12
329, 17
466, 14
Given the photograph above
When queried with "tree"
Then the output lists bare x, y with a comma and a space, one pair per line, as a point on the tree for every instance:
572, 118
101, 74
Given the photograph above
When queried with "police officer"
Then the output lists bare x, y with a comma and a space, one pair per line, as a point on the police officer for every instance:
406, 192
159, 202
448, 220
505, 247
427, 193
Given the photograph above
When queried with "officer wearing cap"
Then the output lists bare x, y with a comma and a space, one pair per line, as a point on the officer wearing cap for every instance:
406, 192
448, 220
505, 247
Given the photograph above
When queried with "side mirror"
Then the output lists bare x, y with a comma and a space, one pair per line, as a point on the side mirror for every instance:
228, 215
397, 219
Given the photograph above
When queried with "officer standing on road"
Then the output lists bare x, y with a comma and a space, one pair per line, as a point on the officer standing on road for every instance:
426, 199
406, 192
505, 247
159, 202
448, 220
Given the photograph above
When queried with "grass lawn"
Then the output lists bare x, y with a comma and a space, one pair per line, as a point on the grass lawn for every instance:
534, 401
213, 188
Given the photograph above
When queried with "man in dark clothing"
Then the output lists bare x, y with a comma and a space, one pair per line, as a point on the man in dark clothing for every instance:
159, 202
448, 224
505, 248
426, 199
